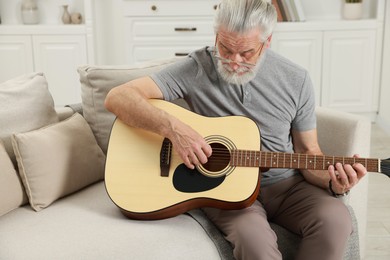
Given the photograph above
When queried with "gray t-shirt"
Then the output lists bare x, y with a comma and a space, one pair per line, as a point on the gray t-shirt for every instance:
278, 99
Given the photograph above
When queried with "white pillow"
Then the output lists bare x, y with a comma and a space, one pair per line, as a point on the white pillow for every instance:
12, 194
97, 81
57, 160
25, 104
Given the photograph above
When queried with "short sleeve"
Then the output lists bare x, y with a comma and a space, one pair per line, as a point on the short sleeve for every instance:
305, 118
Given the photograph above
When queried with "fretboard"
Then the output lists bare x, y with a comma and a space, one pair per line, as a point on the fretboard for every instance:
245, 158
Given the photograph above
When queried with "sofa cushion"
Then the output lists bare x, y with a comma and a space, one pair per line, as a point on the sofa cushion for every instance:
87, 225
57, 160
12, 194
26, 104
97, 81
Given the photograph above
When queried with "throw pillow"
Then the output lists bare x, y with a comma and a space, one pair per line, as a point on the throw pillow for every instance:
12, 194
25, 104
97, 81
57, 160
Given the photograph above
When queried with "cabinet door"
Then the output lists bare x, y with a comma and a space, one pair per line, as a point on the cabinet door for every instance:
15, 56
348, 70
59, 57
303, 48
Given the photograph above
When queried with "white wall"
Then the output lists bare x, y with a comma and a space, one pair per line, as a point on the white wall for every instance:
109, 32
384, 108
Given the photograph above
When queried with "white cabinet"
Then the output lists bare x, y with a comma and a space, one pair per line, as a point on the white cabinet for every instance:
59, 57
165, 29
348, 70
50, 47
342, 63
16, 56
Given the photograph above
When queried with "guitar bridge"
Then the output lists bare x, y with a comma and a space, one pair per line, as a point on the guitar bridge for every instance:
165, 157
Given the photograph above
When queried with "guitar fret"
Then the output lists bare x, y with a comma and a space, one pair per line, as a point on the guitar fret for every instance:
269, 160
236, 161
245, 158
241, 158
299, 161
235, 157
250, 158
306, 162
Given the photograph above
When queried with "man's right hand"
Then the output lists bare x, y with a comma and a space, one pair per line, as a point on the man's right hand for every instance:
189, 144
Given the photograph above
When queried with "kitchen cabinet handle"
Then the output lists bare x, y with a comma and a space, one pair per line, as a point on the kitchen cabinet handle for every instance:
185, 29
181, 54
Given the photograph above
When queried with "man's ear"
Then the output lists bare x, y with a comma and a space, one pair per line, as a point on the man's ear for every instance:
268, 41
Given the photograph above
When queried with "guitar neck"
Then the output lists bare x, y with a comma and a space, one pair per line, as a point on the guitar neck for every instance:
245, 158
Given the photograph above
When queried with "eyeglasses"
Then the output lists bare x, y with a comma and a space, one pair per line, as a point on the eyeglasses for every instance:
229, 61
224, 60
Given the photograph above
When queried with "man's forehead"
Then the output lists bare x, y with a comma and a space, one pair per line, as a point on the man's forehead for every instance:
239, 40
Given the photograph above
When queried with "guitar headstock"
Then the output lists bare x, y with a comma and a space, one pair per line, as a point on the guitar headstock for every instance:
385, 167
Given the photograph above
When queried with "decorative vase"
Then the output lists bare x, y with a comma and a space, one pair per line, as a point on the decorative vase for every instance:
30, 14
66, 19
76, 18
353, 11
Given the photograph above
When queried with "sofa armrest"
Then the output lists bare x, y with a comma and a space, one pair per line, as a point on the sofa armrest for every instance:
68, 110
64, 112
345, 134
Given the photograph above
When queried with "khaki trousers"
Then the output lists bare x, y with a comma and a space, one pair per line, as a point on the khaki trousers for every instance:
323, 222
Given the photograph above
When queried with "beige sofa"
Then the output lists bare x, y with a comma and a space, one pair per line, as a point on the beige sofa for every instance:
59, 209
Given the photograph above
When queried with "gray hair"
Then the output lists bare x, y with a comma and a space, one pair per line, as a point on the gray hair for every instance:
244, 15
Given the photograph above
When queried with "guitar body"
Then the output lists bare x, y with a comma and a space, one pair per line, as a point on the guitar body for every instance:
134, 179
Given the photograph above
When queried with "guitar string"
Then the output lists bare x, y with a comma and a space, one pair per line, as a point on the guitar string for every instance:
247, 153
244, 153
222, 156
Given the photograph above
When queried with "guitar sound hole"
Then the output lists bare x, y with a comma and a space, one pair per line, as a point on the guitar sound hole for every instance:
219, 159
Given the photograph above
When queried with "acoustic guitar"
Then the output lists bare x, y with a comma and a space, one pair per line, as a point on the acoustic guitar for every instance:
146, 179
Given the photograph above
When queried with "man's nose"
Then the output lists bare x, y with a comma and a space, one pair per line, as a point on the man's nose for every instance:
235, 60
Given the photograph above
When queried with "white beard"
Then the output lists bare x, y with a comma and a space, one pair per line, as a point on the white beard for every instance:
234, 77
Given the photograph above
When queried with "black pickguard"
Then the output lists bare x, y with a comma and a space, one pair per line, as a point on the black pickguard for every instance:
187, 180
